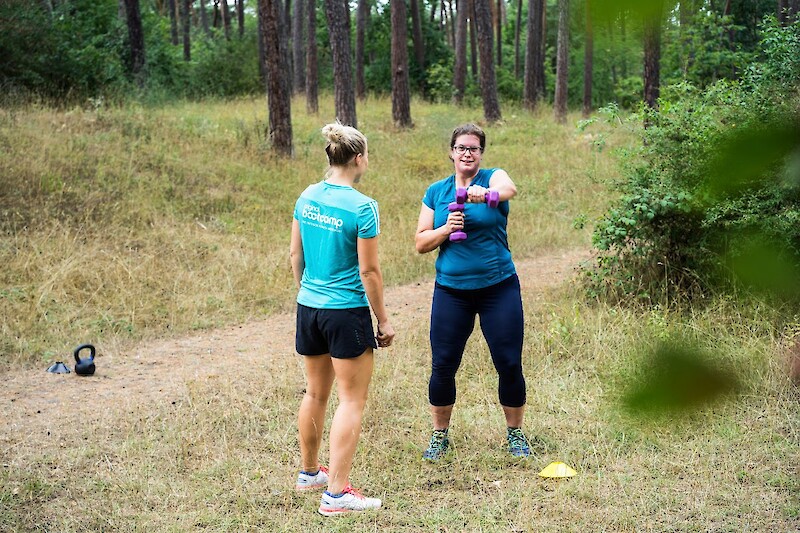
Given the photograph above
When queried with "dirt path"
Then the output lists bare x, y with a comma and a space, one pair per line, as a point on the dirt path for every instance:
34, 401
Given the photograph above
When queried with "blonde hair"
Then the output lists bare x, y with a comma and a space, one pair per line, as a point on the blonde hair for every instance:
344, 143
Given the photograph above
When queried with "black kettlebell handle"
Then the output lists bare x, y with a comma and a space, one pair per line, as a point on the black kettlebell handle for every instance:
83, 347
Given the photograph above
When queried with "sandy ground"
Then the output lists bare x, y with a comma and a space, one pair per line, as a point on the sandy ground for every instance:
36, 403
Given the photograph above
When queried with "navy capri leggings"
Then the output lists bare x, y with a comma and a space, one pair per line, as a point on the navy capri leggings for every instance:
452, 321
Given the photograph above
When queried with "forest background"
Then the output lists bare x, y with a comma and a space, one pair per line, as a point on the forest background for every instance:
145, 181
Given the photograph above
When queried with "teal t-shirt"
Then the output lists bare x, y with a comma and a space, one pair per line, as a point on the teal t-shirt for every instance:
484, 258
332, 218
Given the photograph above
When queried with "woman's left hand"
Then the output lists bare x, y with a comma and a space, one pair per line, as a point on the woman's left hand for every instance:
476, 194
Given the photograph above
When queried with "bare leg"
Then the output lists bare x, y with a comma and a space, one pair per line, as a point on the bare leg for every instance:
514, 416
352, 384
311, 418
441, 416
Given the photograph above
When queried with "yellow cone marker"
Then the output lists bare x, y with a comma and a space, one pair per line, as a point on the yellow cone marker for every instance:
557, 469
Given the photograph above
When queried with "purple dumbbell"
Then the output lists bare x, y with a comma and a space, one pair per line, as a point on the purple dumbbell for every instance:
458, 205
492, 198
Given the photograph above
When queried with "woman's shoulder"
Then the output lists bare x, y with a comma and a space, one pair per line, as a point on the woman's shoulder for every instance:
441, 184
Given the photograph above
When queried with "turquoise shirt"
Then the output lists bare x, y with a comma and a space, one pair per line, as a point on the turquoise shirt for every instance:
332, 218
484, 258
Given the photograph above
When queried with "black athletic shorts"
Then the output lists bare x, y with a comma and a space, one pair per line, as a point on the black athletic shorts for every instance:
343, 333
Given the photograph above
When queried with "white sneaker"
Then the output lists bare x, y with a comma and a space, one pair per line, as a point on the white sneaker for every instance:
307, 481
350, 500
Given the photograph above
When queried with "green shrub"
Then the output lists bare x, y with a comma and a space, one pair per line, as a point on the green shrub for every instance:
712, 193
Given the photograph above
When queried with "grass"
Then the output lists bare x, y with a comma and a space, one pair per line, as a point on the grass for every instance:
181, 223
133, 223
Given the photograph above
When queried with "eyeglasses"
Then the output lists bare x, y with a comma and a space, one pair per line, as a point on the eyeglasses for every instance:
461, 149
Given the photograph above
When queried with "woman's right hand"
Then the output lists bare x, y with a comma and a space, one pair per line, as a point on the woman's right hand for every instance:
385, 334
455, 222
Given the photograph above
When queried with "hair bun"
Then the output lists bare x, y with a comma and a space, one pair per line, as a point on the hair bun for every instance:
333, 132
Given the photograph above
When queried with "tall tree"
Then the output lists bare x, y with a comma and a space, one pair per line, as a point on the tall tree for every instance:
226, 18
204, 18
298, 48
562, 62
133, 16
783, 8
312, 78
532, 91
473, 39
416, 34
588, 61
483, 23
173, 22
401, 99
339, 31
652, 59
186, 22
460, 64
499, 40
278, 73
362, 14
517, 31
240, 16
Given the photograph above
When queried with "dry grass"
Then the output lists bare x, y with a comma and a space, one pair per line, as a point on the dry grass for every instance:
181, 223
133, 223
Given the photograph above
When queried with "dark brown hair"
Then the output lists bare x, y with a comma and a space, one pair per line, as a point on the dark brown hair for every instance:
468, 129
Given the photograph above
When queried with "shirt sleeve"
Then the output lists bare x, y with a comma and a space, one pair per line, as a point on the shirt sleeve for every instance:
428, 198
369, 220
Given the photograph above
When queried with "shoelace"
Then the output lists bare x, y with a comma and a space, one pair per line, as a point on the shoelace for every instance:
437, 440
516, 439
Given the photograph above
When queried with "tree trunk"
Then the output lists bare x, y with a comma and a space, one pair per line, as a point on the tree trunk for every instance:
499, 33
460, 66
542, 47
416, 34
136, 39
483, 23
298, 49
473, 39
278, 91
783, 5
312, 79
588, 59
240, 16
226, 18
339, 31
186, 20
262, 55
562, 62
204, 18
534, 64
516, 38
652, 60
362, 14
173, 22
401, 99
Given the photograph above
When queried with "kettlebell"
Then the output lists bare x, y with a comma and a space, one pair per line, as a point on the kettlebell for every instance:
84, 367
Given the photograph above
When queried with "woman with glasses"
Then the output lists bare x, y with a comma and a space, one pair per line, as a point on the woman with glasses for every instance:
334, 256
475, 275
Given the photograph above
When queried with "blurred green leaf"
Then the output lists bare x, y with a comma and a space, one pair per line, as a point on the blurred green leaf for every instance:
746, 156
678, 378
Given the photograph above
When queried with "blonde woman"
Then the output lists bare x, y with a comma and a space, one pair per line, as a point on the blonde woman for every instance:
334, 256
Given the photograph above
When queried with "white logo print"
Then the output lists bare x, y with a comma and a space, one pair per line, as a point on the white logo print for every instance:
312, 213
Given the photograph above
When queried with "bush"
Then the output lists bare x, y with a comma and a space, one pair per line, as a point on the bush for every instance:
711, 200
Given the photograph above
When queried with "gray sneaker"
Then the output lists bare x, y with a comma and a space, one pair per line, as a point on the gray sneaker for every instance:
438, 445
349, 501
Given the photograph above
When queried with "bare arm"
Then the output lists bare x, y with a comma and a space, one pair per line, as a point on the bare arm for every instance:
296, 253
427, 238
372, 278
500, 182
